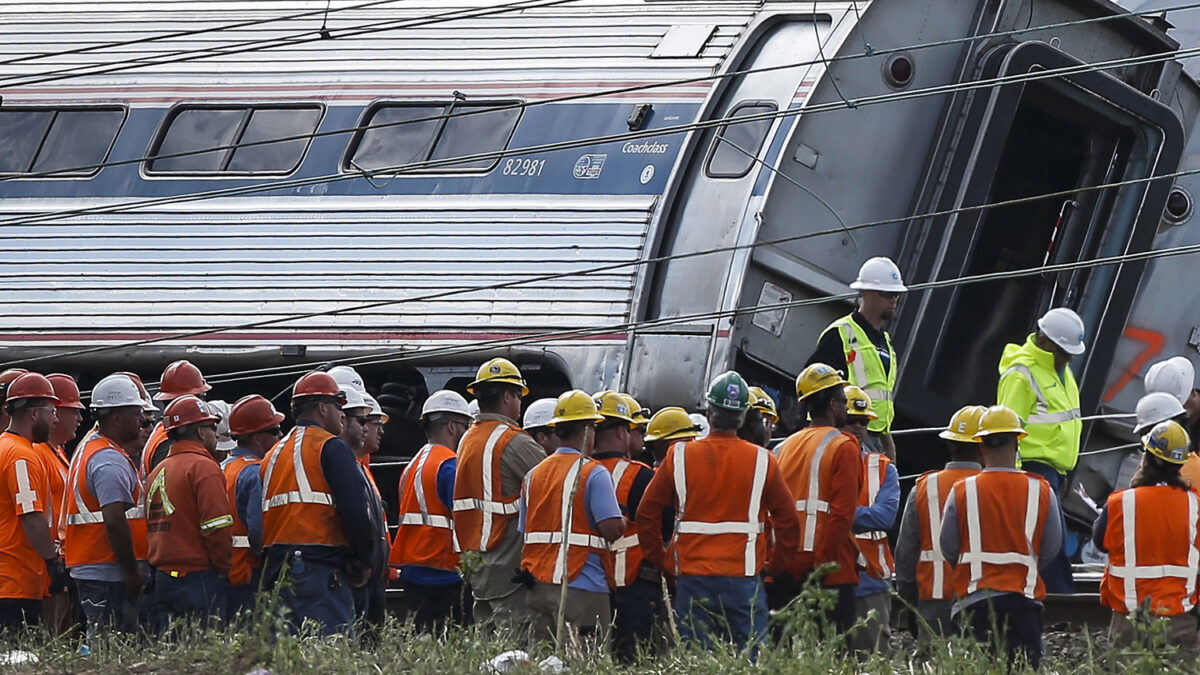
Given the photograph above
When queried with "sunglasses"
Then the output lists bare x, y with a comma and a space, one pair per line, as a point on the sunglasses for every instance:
146, 424
361, 419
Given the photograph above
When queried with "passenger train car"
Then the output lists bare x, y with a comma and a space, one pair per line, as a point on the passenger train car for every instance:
614, 193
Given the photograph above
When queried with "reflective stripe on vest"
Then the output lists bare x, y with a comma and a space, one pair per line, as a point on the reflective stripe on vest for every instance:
873, 484
1041, 414
1130, 572
621, 546
567, 516
752, 527
934, 554
488, 505
304, 494
422, 516
810, 507
976, 557
85, 516
854, 345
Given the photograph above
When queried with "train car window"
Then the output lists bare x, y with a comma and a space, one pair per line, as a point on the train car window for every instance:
54, 139
737, 144
397, 135
192, 129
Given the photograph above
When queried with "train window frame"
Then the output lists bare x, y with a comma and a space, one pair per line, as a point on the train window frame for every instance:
348, 165
174, 111
729, 120
31, 174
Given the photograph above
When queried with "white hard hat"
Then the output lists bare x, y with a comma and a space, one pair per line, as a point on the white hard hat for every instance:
1175, 376
225, 442
1154, 408
376, 410
700, 421
354, 398
879, 274
1064, 328
446, 401
116, 391
348, 378
473, 409
539, 412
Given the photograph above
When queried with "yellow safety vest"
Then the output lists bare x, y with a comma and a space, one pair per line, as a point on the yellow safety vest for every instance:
865, 369
1053, 420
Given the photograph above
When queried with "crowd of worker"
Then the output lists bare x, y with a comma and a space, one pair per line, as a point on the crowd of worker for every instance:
590, 515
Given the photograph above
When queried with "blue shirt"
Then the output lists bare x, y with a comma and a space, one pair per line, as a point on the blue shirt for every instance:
879, 516
600, 496
430, 576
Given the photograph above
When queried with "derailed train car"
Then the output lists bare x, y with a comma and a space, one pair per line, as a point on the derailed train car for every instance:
657, 170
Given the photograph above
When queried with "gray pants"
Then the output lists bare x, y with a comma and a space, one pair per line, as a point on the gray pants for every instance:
935, 619
874, 636
508, 613
587, 613
1181, 633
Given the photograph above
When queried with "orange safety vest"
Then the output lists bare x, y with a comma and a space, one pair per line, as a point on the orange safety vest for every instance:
626, 554
1153, 550
875, 554
1001, 515
930, 494
720, 519
297, 504
426, 533
482, 511
547, 490
157, 436
85, 541
244, 560
810, 478
56, 472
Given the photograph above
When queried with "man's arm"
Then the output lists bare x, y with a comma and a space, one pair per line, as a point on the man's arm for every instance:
882, 514
847, 482
25, 478
659, 495
908, 544
113, 481
120, 540
349, 488
37, 531
785, 521
602, 506
445, 482
520, 456
950, 540
249, 505
1015, 393
1100, 529
829, 351
640, 481
1052, 534
214, 516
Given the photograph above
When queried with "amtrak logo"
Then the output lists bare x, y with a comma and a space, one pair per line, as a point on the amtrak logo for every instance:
895, 276
622, 409
860, 405
495, 370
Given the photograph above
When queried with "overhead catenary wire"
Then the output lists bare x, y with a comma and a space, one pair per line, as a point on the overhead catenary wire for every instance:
914, 476
1085, 418
522, 105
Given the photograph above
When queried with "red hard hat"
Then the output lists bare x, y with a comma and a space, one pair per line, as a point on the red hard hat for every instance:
180, 379
317, 383
186, 410
66, 390
31, 385
7, 377
251, 414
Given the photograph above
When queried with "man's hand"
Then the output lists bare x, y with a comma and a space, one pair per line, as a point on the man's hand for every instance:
133, 586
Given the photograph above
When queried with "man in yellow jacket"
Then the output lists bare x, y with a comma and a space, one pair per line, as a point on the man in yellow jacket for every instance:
1036, 382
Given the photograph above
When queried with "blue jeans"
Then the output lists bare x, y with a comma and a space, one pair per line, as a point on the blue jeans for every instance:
104, 607
241, 598
731, 609
637, 608
195, 596
316, 592
1057, 575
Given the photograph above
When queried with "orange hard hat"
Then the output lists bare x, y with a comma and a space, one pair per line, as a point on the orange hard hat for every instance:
31, 385
7, 377
252, 414
181, 378
186, 410
318, 383
66, 390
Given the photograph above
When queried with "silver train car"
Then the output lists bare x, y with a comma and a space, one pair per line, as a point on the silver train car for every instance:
614, 193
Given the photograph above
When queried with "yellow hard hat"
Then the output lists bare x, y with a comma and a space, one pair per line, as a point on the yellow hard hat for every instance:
817, 377
964, 424
763, 403
612, 405
498, 370
671, 424
999, 419
575, 406
640, 415
1167, 441
858, 403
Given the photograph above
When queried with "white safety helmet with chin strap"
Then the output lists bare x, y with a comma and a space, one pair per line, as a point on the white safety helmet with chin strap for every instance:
116, 391
879, 274
702, 422
445, 401
376, 409
1175, 376
473, 409
1154, 408
539, 413
1064, 328
347, 378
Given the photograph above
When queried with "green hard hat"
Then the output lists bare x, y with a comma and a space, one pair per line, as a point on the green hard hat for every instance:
729, 391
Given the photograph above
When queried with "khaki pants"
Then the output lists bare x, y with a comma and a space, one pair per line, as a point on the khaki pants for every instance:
587, 613
509, 613
872, 637
1181, 633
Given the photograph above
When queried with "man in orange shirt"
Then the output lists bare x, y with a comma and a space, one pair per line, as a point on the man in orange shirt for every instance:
724, 490
56, 610
28, 560
823, 469
180, 378
189, 524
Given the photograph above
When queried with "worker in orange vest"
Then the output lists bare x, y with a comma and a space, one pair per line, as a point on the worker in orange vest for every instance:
424, 552
254, 425
568, 492
29, 562
316, 520
636, 588
824, 470
668, 425
1151, 532
878, 504
724, 490
1000, 528
189, 523
493, 458
923, 578
150, 415
56, 609
105, 522
180, 378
